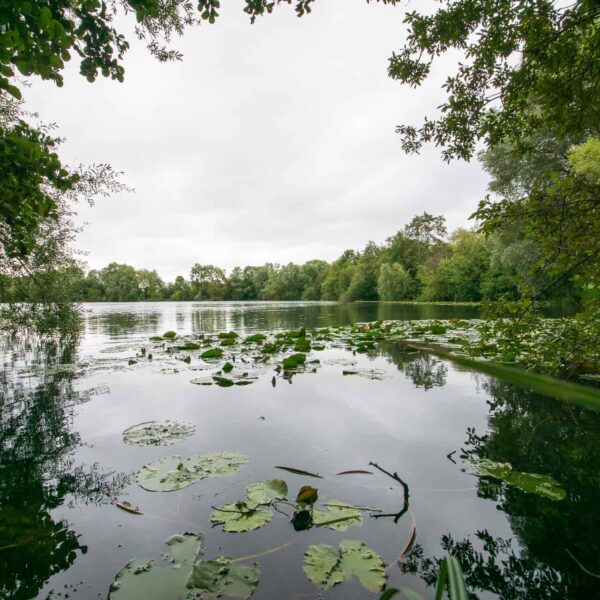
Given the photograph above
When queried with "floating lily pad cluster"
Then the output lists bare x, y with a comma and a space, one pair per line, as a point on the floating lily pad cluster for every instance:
174, 473
246, 515
255, 512
184, 575
291, 352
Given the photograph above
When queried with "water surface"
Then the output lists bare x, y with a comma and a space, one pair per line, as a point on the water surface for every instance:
63, 460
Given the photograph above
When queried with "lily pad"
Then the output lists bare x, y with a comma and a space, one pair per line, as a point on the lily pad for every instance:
302, 345
532, 483
227, 335
212, 353
257, 338
266, 492
157, 433
326, 567
173, 473
358, 560
189, 346
338, 516
170, 335
294, 361
322, 566
219, 577
239, 517
141, 578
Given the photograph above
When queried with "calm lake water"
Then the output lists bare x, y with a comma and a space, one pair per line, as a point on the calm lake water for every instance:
63, 461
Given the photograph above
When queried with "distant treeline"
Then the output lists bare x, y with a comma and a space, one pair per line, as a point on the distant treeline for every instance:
420, 262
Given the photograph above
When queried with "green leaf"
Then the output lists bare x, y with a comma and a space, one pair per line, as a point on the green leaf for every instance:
451, 572
141, 578
302, 345
218, 577
223, 381
358, 560
170, 335
338, 516
266, 492
212, 353
322, 566
157, 433
294, 361
325, 567
239, 517
189, 346
173, 473
532, 483
227, 367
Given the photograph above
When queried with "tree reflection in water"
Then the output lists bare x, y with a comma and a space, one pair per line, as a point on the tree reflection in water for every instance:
37, 470
424, 370
535, 435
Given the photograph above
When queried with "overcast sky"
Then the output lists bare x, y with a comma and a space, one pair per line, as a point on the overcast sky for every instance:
268, 142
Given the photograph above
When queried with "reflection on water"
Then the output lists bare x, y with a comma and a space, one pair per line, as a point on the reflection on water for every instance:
535, 435
37, 471
62, 460
119, 319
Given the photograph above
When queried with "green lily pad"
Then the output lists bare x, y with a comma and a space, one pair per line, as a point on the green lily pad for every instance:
212, 353
219, 577
322, 566
266, 492
257, 338
157, 433
223, 381
358, 560
141, 578
170, 335
294, 361
542, 485
325, 567
302, 345
338, 516
489, 468
227, 367
243, 379
532, 483
225, 335
189, 346
239, 517
173, 473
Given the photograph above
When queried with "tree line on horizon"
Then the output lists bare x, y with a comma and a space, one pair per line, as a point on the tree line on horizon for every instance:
522, 87
420, 262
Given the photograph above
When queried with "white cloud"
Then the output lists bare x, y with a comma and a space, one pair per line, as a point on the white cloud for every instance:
272, 142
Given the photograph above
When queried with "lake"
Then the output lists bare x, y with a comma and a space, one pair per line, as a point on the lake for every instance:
64, 462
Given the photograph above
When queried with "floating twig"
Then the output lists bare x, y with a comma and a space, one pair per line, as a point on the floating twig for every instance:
395, 477
299, 471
